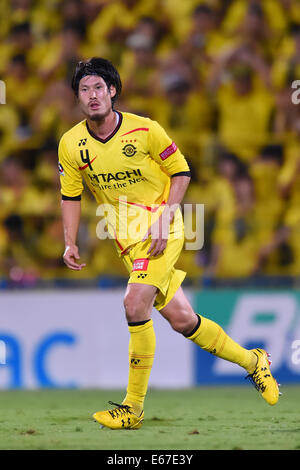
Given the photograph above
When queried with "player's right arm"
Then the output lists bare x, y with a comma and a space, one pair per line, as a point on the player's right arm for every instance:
71, 218
71, 189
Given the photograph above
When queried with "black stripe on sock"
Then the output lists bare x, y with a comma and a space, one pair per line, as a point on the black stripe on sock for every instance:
137, 323
195, 329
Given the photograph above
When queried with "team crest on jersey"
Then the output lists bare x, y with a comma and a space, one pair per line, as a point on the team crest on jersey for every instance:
61, 170
129, 150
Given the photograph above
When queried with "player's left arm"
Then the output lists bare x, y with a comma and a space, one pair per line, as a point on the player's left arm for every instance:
160, 229
166, 153
179, 185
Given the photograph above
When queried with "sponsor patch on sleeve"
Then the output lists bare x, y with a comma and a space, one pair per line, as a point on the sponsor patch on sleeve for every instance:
140, 264
168, 151
61, 170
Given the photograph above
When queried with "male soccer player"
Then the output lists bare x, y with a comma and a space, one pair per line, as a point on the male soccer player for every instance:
140, 177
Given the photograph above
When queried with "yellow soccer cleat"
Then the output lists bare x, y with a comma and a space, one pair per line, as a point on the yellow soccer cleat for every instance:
262, 378
121, 417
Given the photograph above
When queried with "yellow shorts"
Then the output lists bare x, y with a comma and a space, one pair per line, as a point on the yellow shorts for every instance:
156, 271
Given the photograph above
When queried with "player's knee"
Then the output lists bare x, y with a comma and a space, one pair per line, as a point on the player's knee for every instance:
136, 309
183, 322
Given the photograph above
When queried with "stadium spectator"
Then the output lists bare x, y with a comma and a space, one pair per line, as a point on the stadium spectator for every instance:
179, 103
63, 52
216, 74
204, 40
19, 40
244, 103
19, 263
235, 241
273, 11
55, 111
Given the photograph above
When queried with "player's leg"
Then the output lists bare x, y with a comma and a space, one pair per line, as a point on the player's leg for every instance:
138, 303
204, 332
148, 284
212, 338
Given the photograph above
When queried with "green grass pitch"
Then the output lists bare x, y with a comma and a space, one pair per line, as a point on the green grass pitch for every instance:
199, 418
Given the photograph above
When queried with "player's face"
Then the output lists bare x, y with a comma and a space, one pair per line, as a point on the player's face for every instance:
95, 97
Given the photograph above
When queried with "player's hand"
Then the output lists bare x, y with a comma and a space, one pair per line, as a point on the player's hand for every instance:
70, 256
159, 232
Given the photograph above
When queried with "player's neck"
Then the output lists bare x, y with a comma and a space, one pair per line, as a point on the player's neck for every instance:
105, 126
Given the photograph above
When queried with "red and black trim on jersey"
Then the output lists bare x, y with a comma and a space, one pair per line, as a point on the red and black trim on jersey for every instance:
182, 173
146, 129
103, 141
69, 198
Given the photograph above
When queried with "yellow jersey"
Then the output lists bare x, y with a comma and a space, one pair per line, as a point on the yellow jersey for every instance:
129, 174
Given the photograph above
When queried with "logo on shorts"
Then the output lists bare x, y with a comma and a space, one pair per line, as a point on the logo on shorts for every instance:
140, 264
142, 276
129, 150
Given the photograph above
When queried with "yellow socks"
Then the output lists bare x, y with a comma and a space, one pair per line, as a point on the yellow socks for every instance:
207, 334
212, 338
141, 355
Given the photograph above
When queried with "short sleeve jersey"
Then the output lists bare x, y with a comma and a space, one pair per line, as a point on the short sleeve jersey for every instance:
128, 173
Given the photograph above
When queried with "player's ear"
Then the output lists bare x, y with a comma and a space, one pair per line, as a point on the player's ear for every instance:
112, 91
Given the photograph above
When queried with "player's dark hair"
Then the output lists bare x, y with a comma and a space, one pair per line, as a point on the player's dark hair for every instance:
102, 68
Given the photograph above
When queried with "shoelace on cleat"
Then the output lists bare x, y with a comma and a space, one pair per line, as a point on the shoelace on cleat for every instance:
120, 410
257, 381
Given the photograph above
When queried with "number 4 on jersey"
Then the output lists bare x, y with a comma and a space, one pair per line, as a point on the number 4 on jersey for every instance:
85, 158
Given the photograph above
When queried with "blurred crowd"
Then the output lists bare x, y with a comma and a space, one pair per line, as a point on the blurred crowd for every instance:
220, 77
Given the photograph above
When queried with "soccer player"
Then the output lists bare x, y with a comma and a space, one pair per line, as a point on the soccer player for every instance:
140, 177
